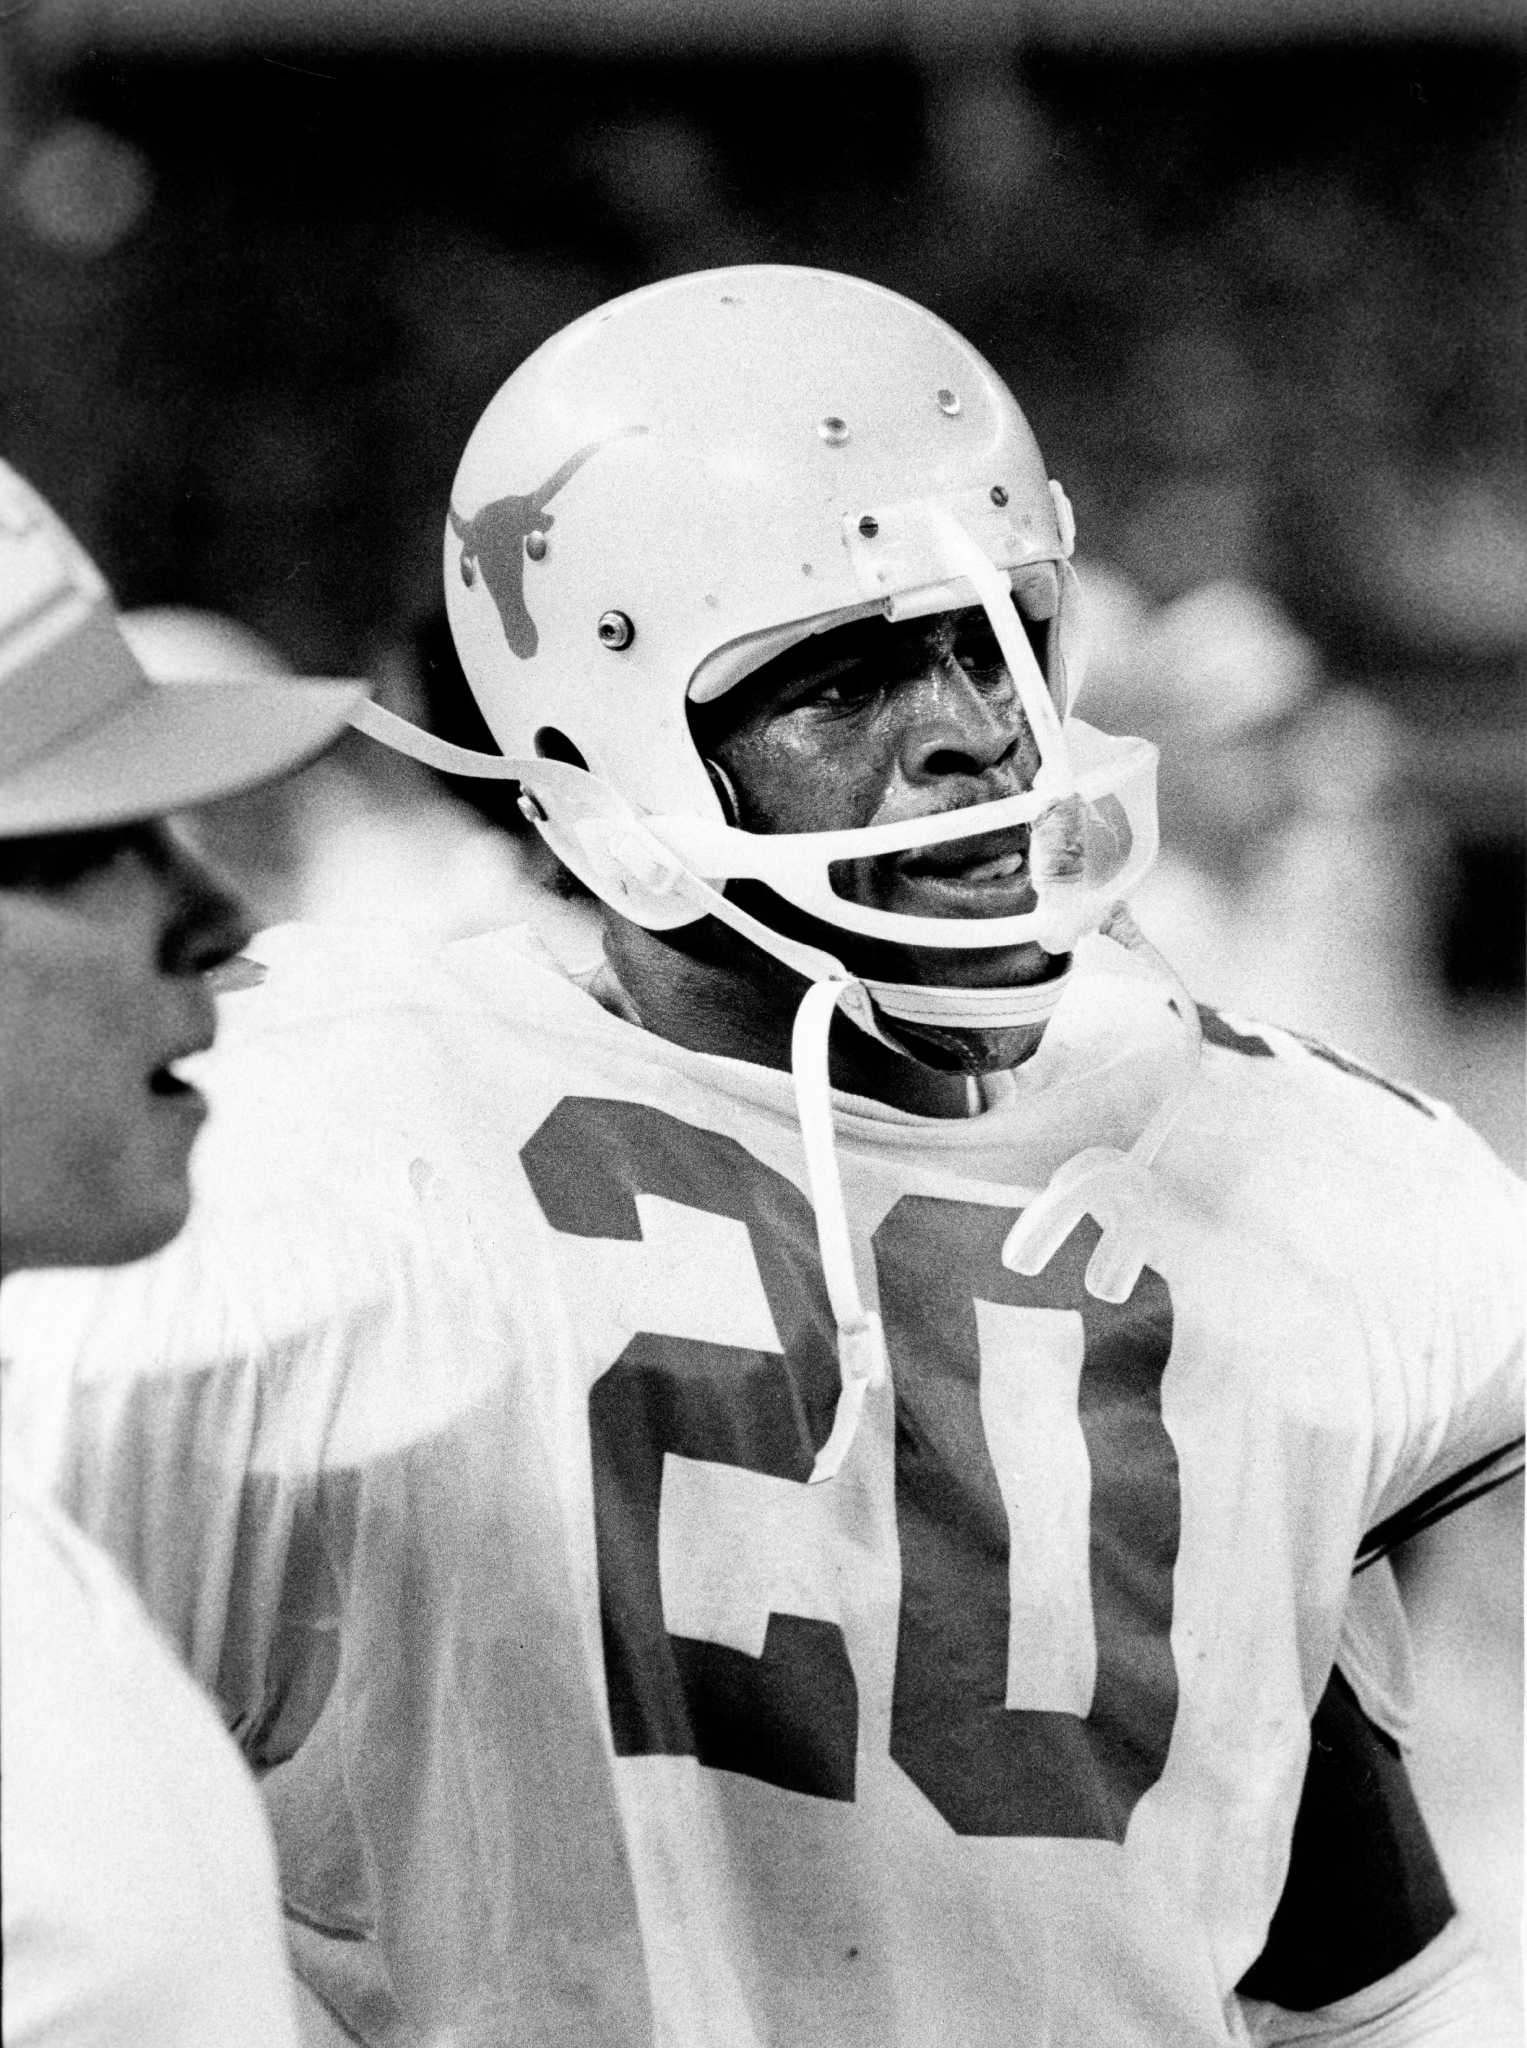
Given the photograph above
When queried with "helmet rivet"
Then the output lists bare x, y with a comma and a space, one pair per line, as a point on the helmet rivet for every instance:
948, 401
615, 630
833, 430
535, 545
999, 494
869, 526
468, 571
529, 807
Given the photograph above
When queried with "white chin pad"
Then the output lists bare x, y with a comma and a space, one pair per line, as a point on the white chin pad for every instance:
1089, 843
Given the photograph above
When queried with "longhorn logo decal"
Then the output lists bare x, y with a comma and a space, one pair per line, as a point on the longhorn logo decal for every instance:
493, 540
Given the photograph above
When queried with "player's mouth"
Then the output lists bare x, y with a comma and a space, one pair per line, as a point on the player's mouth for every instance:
171, 1086
987, 876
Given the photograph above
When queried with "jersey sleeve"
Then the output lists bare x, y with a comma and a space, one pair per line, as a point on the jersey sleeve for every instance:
1413, 1231
1460, 1367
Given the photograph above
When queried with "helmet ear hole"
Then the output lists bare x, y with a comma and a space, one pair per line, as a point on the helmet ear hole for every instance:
552, 745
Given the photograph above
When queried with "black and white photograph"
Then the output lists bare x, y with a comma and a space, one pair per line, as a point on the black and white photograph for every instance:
763, 1027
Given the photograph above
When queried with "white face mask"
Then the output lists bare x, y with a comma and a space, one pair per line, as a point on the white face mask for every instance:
1091, 813
1090, 843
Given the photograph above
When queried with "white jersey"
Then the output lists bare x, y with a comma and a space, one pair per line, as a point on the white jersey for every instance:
462, 1440
140, 1889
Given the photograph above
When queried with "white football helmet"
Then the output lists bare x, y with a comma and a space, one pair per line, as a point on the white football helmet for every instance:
686, 481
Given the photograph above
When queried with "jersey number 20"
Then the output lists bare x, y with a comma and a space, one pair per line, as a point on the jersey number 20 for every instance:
790, 1715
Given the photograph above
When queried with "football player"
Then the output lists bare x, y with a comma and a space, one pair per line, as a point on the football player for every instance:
140, 1888
805, 1486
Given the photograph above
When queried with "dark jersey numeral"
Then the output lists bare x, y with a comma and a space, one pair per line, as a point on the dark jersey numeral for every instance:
988, 1768
790, 1716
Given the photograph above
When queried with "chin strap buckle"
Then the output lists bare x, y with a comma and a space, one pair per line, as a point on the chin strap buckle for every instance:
861, 1364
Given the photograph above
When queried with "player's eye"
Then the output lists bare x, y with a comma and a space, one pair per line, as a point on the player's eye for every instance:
984, 658
845, 692
843, 685
60, 860
978, 653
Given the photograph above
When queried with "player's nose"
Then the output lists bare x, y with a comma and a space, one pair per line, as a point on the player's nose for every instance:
958, 724
207, 920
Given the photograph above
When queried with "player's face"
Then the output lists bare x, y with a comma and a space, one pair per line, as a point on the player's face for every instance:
872, 724
105, 939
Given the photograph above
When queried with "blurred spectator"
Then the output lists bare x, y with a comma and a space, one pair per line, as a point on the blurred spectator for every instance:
1114, 614
661, 176
1286, 889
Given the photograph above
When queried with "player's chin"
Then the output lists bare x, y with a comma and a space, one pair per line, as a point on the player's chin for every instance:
152, 1207
139, 1223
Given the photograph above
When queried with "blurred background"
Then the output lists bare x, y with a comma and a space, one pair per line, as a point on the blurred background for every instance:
1258, 275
